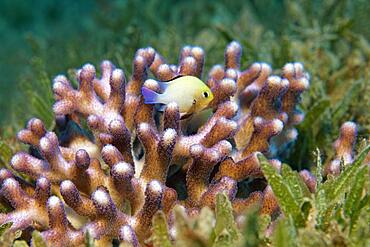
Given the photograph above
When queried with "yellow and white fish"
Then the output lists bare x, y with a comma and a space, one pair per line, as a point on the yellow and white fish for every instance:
190, 93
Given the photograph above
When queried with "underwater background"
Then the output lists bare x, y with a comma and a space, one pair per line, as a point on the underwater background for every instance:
98, 166
40, 39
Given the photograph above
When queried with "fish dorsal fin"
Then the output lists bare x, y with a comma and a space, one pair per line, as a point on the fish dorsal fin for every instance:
164, 84
174, 78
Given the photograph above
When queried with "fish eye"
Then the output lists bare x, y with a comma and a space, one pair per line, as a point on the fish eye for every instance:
205, 94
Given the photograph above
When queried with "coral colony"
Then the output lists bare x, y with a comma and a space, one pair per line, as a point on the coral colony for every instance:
138, 161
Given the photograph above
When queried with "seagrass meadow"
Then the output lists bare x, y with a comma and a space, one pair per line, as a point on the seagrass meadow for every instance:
280, 157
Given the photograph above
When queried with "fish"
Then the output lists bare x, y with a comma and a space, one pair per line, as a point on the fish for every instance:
190, 94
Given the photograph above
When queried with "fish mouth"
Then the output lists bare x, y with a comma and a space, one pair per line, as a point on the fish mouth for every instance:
209, 103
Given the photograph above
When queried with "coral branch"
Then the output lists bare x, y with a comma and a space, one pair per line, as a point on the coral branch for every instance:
28, 210
60, 232
158, 152
247, 167
204, 160
343, 147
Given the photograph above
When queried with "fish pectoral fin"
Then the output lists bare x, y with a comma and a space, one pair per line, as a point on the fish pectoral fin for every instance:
185, 115
190, 112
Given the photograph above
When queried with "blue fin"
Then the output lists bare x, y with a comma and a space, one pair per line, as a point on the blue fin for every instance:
163, 85
150, 97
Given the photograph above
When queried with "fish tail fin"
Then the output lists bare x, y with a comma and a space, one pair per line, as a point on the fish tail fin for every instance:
150, 97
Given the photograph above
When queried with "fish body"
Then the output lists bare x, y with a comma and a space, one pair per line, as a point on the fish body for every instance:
190, 93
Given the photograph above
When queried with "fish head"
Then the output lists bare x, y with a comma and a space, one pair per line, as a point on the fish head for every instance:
203, 98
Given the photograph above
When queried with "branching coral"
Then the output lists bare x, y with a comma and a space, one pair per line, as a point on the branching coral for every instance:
117, 180
343, 147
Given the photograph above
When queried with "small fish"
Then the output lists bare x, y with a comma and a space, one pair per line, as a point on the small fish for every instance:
190, 93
